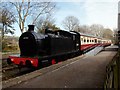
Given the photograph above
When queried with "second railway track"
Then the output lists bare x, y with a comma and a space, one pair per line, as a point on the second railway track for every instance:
11, 71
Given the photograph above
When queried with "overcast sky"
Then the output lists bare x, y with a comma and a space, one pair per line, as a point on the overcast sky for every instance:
88, 12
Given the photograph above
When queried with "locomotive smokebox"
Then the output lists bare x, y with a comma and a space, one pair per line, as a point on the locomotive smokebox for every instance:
30, 27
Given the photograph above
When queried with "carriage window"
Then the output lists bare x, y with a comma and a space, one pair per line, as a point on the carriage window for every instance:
99, 41
87, 40
95, 40
84, 40
81, 39
92, 40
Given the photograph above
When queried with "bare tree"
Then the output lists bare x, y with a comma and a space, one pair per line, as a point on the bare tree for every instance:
97, 30
70, 23
108, 33
6, 19
115, 31
84, 29
31, 9
44, 22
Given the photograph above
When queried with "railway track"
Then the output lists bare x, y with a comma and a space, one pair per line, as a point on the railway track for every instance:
9, 68
11, 71
5, 66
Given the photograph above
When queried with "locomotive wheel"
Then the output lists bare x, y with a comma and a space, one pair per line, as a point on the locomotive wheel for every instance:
53, 61
9, 61
28, 63
20, 65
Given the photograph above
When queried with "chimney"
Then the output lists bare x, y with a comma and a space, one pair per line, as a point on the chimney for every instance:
30, 28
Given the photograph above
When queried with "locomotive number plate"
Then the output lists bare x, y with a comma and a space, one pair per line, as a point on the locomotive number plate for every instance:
25, 37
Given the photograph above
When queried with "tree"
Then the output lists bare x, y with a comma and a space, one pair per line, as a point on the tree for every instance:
7, 19
44, 22
0, 38
84, 29
31, 9
108, 34
70, 23
97, 30
10, 44
115, 41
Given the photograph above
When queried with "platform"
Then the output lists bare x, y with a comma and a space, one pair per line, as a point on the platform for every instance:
85, 72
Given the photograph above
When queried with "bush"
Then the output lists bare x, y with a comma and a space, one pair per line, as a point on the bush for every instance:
7, 45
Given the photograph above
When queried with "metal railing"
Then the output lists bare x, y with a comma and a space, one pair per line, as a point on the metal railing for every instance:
112, 70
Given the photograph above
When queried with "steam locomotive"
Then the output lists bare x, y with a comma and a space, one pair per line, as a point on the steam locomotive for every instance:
38, 50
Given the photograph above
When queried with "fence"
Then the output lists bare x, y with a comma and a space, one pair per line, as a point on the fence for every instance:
113, 75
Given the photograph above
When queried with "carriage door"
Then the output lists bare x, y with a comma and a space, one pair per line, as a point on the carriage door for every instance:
77, 41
